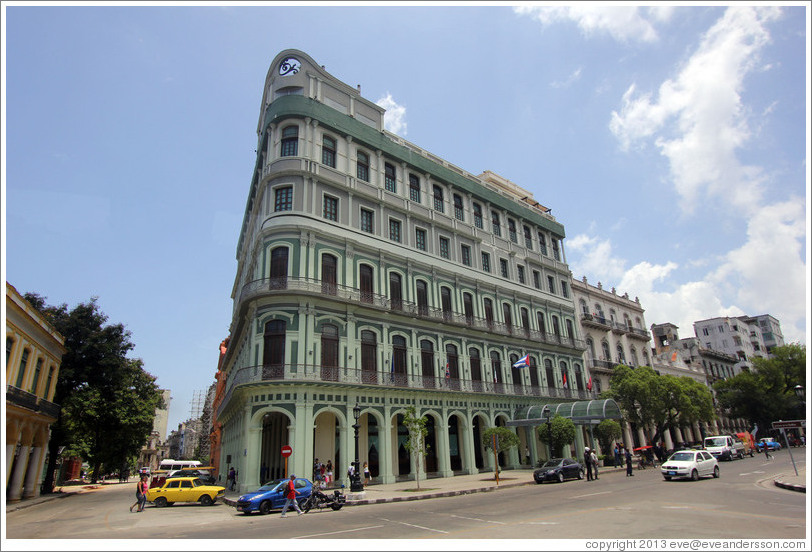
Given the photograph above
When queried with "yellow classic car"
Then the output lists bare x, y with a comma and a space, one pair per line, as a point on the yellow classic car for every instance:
184, 489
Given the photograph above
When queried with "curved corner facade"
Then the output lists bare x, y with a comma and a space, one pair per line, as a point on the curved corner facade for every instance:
372, 272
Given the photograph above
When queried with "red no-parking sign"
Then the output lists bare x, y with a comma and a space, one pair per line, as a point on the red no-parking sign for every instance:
287, 451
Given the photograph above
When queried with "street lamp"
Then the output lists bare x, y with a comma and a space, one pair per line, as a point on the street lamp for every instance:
800, 392
355, 480
546, 413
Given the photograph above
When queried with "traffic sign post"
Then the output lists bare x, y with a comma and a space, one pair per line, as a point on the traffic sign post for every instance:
783, 426
287, 450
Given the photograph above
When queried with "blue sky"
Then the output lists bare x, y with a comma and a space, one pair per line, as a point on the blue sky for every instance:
671, 143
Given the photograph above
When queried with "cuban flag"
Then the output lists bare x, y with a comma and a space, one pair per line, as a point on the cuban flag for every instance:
523, 362
564, 377
589, 385
447, 371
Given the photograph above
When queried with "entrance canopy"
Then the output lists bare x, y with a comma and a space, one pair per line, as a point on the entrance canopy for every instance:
583, 412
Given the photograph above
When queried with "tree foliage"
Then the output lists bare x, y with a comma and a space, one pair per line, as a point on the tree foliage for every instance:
767, 393
606, 431
416, 443
108, 401
659, 401
506, 439
563, 434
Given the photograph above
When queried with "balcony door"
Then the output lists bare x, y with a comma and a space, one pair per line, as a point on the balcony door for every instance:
329, 353
369, 357
329, 272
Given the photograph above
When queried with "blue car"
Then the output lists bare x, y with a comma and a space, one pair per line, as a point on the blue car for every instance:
271, 496
768, 442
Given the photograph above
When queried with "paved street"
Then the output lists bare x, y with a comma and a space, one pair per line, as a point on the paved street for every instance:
743, 503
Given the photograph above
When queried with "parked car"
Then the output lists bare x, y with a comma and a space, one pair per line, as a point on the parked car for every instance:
690, 464
724, 447
201, 473
558, 469
271, 496
184, 489
768, 442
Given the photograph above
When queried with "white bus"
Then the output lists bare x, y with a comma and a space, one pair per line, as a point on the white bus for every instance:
171, 466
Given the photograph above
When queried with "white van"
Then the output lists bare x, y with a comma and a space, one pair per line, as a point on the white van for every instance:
724, 447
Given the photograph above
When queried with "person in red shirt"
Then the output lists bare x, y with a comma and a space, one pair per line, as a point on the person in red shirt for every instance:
140, 494
290, 497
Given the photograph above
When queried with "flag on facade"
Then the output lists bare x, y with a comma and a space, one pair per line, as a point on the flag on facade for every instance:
674, 356
589, 385
447, 371
564, 377
523, 362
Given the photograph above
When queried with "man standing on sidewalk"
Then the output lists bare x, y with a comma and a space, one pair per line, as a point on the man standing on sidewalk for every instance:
588, 464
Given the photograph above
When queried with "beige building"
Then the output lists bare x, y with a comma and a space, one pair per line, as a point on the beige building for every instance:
34, 352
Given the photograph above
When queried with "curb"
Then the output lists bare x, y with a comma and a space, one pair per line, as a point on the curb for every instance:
790, 486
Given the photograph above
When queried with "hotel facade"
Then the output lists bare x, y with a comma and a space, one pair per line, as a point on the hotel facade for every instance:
373, 273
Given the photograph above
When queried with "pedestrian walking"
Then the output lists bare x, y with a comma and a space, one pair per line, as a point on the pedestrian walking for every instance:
588, 464
594, 459
367, 475
290, 497
140, 494
329, 472
618, 458
232, 478
629, 466
767, 452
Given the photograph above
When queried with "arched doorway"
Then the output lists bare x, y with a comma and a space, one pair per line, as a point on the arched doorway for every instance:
326, 441
455, 440
479, 425
274, 437
431, 465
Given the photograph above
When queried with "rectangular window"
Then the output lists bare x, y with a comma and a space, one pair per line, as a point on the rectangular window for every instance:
556, 253
394, 230
414, 188
362, 164
390, 178
528, 240
537, 279
438, 199
550, 284
283, 199
328, 152
35, 381
290, 141
444, 248
367, 221
478, 215
486, 262
542, 244
420, 239
458, 212
497, 230
503, 268
512, 230
330, 208
520, 274
465, 253
564, 291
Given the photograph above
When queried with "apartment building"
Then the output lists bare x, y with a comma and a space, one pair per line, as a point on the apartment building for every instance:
374, 273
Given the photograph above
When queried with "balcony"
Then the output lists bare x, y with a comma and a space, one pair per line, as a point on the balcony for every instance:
595, 321
29, 401
308, 286
351, 377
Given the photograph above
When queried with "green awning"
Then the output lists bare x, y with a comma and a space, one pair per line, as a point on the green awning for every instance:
584, 412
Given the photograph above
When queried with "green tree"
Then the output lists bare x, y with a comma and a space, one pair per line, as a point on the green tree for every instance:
98, 388
416, 443
563, 433
767, 392
659, 401
505, 440
606, 431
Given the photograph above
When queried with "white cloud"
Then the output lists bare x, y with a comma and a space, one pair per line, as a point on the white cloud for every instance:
566, 83
596, 257
623, 23
394, 120
697, 119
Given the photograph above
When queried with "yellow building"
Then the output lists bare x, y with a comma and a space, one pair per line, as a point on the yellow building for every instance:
34, 352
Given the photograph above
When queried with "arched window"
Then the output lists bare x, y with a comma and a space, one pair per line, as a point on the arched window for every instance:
496, 368
273, 349
398, 368
599, 312
369, 357
488, 304
329, 274
565, 383
458, 210
23, 366
427, 363
362, 166
508, 317
395, 291
542, 325
634, 358
556, 327
438, 198
290, 141
584, 308
422, 298
453, 366
515, 373
621, 358
329, 353
645, 359
9, 348
590, 347
570, 329
525, 321
534, 372
627, 321
414, 188
579, 377
390, 178
607, 354
612, 317
328, 151
476, 368
468, 307
445, 299
366, 276
279, 268
478, 215
548, 370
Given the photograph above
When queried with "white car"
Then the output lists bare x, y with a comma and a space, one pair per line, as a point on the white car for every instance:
690, 463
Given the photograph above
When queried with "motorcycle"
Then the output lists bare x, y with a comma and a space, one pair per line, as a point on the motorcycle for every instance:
318, 499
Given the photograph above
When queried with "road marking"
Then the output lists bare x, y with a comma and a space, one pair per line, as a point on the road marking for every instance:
678, 507
478, 519
540, 522
752, 472
412, 525
337, 532
591, 494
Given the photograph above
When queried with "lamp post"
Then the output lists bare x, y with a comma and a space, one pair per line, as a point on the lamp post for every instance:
355, 480
546, 413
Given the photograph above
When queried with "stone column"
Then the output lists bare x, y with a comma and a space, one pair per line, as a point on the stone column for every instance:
387, 450
469, 453
31, 488
15, 485
443, 447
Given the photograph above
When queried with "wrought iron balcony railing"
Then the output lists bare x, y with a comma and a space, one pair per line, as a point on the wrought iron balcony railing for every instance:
267, 286
30, 401
309, 373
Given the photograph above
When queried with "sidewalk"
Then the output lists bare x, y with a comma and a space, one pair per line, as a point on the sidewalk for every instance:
61, 492
793, 482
